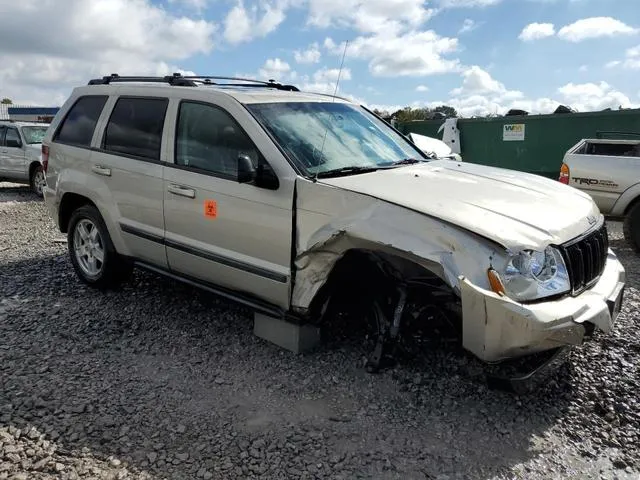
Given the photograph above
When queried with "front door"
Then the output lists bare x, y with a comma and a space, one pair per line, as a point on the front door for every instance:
230, 234
3, 152
14, 155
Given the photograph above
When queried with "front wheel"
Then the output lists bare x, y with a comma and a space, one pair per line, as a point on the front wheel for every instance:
93, 255
37, 181
631, 227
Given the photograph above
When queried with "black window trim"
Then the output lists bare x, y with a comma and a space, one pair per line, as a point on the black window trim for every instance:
101, 148
3, 132
200, 171
54, 137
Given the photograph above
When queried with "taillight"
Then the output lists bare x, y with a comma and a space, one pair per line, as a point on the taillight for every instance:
45, 157
564, 174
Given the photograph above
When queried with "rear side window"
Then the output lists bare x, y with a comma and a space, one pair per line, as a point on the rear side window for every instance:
135, 127
78, 126
614, 149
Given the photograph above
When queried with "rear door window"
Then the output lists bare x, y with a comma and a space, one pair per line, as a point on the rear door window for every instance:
613, 149
78, 126
135, 127
12, 136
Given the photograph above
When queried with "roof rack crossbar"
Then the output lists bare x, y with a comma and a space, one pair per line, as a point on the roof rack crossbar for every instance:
191, 81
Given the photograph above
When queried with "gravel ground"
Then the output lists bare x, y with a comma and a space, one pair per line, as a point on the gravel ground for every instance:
159, 380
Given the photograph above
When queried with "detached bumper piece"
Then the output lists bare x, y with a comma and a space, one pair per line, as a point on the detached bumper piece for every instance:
514, 378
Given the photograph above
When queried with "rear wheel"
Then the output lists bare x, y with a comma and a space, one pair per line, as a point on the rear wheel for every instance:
631, 227
93, 255
37, 180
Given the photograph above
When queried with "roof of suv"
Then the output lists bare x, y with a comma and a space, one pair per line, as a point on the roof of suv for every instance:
244, 90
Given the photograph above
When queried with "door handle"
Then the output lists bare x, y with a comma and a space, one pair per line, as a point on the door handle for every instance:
4, 151
100, 170
182, 191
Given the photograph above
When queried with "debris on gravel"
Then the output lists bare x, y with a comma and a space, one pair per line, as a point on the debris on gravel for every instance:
160, 380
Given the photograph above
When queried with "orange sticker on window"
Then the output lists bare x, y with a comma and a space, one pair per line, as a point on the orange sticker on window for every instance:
210, 209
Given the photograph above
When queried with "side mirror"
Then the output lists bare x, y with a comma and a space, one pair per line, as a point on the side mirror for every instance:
12, 143
246, 170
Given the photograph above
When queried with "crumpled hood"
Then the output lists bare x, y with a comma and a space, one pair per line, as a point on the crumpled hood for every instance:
514, 209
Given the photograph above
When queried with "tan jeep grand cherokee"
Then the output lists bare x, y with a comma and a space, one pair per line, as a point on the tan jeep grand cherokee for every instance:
293, 202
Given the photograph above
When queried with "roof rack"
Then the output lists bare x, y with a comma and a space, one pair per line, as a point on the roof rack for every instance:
179, 80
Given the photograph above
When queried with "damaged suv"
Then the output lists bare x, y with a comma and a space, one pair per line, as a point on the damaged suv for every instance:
300, 205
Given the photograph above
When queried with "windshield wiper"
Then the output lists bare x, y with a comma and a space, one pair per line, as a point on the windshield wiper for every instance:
337, 172
407, 161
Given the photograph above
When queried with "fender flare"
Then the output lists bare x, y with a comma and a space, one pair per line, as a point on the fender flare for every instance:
627, 198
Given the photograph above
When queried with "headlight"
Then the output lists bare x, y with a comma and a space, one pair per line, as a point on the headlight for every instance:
531, 275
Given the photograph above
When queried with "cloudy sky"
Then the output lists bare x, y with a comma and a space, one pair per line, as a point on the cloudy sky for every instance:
481, 56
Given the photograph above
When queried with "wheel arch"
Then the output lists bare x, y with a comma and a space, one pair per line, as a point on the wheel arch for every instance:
363, 267
68, 204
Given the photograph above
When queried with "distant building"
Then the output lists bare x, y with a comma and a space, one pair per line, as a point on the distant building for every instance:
26, 113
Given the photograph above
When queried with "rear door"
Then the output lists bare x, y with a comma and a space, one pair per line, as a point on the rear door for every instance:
129, 163
14, 154
234, 235
3, 151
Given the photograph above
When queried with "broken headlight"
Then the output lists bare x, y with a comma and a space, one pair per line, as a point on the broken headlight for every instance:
531, 275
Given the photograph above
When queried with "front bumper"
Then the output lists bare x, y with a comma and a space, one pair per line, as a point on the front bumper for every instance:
496, 328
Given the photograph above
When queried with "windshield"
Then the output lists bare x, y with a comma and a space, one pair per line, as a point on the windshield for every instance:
322, 137
34, 134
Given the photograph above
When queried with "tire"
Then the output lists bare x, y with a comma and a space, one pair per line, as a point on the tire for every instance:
631, 227
92, 253
36, 181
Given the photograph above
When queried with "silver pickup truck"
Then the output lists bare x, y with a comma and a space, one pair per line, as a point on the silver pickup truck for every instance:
609, 171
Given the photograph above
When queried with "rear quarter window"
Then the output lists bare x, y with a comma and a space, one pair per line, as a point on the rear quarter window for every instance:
135, 127
78, 126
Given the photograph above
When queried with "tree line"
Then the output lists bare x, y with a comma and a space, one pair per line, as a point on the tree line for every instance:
409, 114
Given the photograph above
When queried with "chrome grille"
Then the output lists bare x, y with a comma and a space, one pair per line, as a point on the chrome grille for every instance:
585, 258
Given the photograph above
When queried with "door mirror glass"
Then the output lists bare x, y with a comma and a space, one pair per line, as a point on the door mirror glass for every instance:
246, 170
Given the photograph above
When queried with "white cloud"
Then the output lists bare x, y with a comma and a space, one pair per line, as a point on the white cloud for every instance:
630, 62
276, 69
536, 31
369, 16
467, 26
593, 96
476, 81
243, 25
330, 75
130, 37
467, 3
413, 53
595, 27
422, 88
480, 95
310, 55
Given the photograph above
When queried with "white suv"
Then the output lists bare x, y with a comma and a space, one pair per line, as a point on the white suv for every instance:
20, 153
302, 205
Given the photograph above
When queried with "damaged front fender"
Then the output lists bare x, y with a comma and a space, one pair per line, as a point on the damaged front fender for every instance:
333, 221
